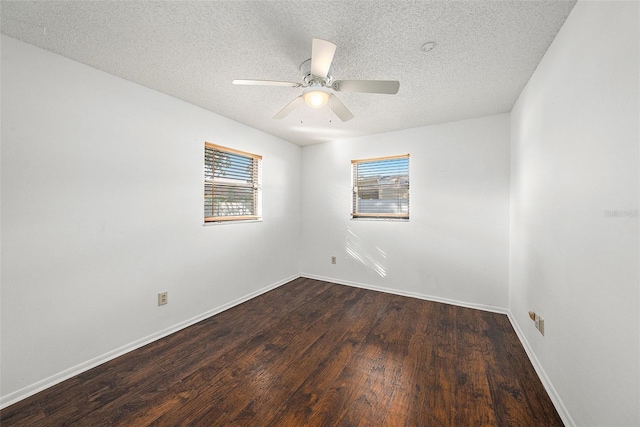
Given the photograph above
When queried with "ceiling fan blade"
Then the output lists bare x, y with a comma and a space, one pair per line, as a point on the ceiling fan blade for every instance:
339, 109
266, 83
322, 52
289, 108
367, 86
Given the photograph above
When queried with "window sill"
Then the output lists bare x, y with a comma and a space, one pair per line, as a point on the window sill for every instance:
237, 221
379, 219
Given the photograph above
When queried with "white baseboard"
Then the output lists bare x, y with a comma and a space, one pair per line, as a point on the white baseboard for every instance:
92, 363
546, 382
465, 304
36, 387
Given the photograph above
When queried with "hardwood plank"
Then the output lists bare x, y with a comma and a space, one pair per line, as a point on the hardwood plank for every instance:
376, 396
519, 393
256, 365
439, 393
305, 353
311, 353
473, 395
297, 349
29, 413
408, 403
510, 405
332, 405
296, 410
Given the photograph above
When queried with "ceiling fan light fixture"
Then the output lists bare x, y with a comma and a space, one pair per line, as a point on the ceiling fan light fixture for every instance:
316, 97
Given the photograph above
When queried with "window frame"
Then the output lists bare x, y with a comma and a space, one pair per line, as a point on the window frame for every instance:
355, 215
255, 184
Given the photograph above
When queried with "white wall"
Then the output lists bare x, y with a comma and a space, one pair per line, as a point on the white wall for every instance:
102, 207
575, 138
455, 246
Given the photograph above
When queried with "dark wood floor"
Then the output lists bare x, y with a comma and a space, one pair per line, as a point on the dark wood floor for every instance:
311, 353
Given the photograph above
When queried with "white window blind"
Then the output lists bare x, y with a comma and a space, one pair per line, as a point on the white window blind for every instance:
381, 188
232, 186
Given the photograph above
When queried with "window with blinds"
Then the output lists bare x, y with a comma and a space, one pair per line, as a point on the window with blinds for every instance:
232, 184
381, 188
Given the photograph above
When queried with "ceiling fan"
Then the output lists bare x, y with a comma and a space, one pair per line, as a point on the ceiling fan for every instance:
318, 83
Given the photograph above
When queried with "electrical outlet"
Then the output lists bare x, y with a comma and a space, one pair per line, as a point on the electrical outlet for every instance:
163, 298
540, 324
333, 260
539, 321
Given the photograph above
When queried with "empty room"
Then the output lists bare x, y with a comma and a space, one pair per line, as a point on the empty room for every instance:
296, 213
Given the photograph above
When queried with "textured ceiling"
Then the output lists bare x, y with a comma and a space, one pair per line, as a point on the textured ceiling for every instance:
485, 53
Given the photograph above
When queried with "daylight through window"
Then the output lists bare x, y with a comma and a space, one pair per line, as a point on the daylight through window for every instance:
232, 186
381, 188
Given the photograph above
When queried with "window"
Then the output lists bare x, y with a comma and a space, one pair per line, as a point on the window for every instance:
232, 184
381, 188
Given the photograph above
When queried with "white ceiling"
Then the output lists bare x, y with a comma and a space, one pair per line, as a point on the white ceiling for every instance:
485, 53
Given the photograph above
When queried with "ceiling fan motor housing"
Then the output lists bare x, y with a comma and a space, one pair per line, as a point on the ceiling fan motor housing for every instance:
309, 79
